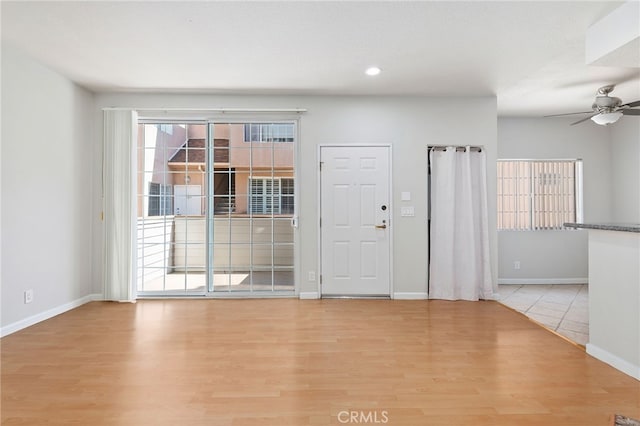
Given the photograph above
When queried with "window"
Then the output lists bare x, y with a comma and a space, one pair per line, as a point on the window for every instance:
539, 194
160, 199
167, 128
268, 132
286, 196
271, 196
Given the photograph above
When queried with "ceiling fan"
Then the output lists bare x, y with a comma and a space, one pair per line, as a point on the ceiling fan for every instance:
606, 109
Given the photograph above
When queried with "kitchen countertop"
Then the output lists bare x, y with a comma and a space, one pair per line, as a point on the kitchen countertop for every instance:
623, 227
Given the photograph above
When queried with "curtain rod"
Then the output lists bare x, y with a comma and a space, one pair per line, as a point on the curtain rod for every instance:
221, 110
458, 148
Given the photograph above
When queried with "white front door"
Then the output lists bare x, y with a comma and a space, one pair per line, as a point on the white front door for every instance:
355, 225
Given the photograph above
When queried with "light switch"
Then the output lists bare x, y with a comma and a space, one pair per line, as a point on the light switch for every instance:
405, 196
407, 211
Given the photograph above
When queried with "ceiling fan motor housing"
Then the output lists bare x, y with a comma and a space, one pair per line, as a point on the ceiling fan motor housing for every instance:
606, 103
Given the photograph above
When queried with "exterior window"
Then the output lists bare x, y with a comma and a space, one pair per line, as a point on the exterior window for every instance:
286, 196
268, 132
271, 196
160, 199
167, 128
539, 194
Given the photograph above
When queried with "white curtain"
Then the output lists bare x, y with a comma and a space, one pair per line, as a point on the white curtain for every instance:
460, 264
120, 129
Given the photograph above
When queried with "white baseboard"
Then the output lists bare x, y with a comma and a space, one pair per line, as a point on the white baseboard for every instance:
410, 296
616, 362
521, 281
42, 316
308, 295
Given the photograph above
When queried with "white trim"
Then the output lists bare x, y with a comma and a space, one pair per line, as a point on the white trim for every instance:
616, 362
520, 281
309, 295
297, 271
227, 115
392, 222
411, 296
318, 165
42, 316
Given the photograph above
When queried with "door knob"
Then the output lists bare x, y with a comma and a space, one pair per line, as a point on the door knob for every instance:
383, 226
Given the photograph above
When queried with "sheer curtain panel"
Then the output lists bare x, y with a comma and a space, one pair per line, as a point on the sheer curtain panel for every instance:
459, 264
120, 127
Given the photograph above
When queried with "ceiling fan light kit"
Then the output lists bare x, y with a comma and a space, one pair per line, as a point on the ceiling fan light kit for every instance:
606, 118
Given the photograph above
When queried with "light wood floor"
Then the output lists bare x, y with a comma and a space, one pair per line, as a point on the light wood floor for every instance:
289, 362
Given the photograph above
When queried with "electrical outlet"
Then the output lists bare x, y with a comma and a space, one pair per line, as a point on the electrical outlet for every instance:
312, 275
516, 265
28, 296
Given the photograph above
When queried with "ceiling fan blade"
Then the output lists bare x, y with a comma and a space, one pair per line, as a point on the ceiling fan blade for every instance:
569, 113
584, 119
630, 111
632, 104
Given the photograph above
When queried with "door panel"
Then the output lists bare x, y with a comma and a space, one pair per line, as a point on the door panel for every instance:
355, 227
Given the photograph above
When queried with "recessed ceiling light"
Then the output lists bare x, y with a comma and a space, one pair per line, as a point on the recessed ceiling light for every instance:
372, 71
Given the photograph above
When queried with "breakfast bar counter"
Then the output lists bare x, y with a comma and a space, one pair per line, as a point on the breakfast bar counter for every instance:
614, 294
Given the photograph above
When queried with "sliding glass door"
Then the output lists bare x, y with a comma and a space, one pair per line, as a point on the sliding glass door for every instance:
215, 208
171, 207
251, 233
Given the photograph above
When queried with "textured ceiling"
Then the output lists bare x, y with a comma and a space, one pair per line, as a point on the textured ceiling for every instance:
529, 54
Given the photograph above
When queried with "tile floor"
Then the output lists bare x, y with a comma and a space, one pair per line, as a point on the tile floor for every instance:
564, 308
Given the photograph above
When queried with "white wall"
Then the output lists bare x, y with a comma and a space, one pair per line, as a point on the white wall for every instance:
614, 299
410, 124
625, 170
47, 141
555, 256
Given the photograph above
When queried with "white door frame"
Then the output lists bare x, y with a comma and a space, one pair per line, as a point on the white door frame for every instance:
319, 201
